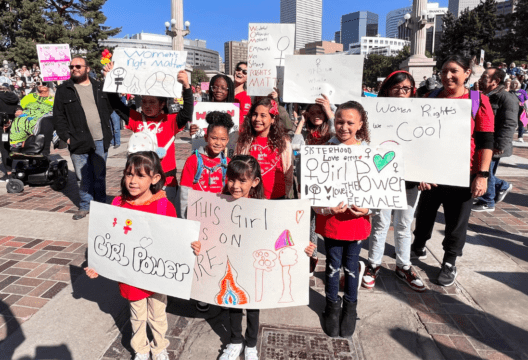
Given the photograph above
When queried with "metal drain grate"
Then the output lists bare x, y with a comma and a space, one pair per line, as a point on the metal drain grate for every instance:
281, 343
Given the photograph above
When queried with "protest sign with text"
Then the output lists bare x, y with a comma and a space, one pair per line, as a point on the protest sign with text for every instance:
252, 252
435, 136
364, 176
307, 77
146, 72
148, 251
54, 61
268, 44
201, 109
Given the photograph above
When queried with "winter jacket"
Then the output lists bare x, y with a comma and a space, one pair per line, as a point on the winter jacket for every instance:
70, 121
8, 102
505, 107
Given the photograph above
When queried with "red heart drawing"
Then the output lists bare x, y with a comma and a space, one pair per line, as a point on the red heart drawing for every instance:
299, 215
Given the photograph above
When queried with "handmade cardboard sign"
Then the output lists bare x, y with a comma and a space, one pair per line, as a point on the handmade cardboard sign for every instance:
307, 77
435, 136
54, 60
148, 251
252, 251
268, 46
146, 72
357, 175
201, 109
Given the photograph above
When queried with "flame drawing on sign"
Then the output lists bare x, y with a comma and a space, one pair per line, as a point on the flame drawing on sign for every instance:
230, 292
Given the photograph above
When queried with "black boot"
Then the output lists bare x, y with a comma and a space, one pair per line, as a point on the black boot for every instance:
348, 323
331, 318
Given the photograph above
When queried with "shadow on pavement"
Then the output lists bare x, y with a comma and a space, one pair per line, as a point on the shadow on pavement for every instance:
515, 280
499, 240
13, 332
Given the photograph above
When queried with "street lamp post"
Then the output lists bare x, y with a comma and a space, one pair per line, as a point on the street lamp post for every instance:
418, 64
174, 28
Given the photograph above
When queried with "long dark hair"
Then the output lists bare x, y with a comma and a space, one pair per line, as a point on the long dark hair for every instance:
276, 136
230, 88
245, 167
362, 134
323, 130
394, 79
146, 162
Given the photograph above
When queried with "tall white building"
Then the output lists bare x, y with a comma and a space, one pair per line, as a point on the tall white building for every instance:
307, 15
395, 16
377, 45
457, 6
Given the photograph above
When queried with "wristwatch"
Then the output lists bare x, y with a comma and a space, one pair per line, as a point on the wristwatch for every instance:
484, 174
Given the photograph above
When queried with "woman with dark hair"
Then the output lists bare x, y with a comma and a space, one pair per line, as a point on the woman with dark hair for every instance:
456, 201
398, 84
316, 125
241, 95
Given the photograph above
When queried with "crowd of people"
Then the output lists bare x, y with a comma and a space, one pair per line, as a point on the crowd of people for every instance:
263, 167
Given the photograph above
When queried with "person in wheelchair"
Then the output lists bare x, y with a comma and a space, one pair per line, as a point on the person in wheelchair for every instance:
30, 138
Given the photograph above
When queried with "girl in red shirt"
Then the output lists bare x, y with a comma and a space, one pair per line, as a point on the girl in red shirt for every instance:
264, 138
244, 180
343, 229
241, 95
154, 117
141, 189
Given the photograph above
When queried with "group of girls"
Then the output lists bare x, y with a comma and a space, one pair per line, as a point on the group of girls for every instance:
262, 168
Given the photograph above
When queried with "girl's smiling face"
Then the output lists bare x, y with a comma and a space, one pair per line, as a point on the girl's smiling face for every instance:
220, 90
240, 188
217, 140
261, 120
315, 115
347, 124
138, 184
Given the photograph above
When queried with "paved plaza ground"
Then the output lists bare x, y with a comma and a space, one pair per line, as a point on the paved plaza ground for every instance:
50, 310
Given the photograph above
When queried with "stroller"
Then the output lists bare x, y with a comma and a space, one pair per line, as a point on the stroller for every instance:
32, 164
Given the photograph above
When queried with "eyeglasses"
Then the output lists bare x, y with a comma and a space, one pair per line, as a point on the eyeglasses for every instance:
244, 71
404, 89
218, 88
78, 67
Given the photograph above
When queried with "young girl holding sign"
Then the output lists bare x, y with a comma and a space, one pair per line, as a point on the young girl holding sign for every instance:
398, 84
316, 125
141, 189
244, 180
263, 137
154, 118
343, 229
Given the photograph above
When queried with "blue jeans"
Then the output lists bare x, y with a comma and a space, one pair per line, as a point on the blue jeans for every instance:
91, 172
341, 253
494, 185
116, 129
402, 221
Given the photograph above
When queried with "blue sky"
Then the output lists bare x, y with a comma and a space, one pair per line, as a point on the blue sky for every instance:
220, 21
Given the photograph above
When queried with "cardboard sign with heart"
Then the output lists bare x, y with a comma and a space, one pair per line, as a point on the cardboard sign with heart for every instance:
381, 162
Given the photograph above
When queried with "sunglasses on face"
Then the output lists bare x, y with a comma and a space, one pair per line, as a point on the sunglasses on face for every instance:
78, 67
244, 71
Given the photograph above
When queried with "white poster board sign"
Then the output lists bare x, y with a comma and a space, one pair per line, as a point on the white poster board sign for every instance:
54, 60
201, 109
252, 252
146, 72
268, 45
435, 135
339, 77
364, 176
148, 251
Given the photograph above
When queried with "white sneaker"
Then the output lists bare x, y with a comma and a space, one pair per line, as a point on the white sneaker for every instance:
520, 139
232, 352
251, 353
162, 355
142, 356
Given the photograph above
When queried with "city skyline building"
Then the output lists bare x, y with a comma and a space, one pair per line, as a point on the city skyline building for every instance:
395, 17
234, 52
356, 25
457, 6
307, 15
337, 37
377, 45
321, 47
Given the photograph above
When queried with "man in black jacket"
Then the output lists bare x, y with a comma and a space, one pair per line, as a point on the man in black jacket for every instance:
505, 107
82, 119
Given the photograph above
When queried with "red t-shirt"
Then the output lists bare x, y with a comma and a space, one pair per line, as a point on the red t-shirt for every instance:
161, 206
270, 166
245, 104
484, 122
189, 171
343, 226
165, 132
